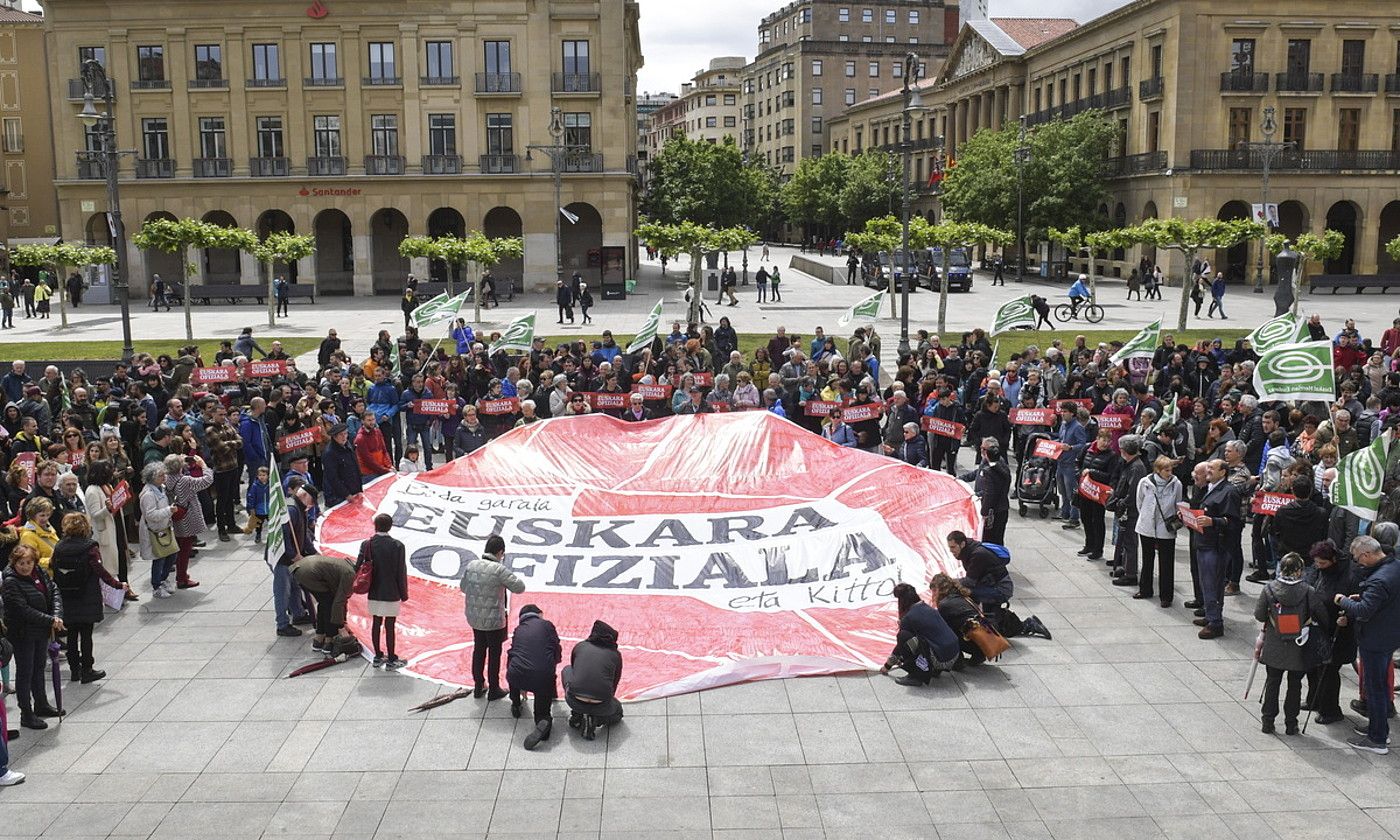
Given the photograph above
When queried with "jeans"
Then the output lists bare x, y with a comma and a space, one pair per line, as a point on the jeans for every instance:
762, 292
486, 657
7, 318
423, 436
160, 570
30, 655
1164, 550
225, 500
1213, 562
1069, 484
1216, 305
1374, 666
1292, 701
286, 596
80, 647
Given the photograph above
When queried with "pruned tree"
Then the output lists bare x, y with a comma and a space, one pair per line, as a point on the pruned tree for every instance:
181, 237
474, 252
947, 236
1189, 236
696, 240
60, 257
1327, 245
282, 247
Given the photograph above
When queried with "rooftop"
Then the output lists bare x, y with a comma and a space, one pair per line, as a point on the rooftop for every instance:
1028, 32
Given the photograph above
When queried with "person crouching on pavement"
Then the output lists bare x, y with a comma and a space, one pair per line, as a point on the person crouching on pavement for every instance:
534, 655
925, 645
329, 580
591, 679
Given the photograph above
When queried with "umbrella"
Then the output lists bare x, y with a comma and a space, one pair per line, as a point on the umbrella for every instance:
54, 649
320, 665
442, 700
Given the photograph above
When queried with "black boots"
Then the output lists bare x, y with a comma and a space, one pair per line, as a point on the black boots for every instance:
540, 733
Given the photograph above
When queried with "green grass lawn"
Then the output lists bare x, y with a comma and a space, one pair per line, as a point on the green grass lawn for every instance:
38, 352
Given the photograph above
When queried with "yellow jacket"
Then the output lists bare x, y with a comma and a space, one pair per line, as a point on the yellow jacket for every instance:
42, 292
41, 540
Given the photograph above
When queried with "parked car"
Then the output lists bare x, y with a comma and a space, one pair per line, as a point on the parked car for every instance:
887, 262
959, 269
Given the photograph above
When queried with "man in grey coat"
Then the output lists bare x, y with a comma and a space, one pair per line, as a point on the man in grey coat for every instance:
485, 582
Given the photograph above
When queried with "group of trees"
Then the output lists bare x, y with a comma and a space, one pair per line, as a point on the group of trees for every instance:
59, 258
473, 253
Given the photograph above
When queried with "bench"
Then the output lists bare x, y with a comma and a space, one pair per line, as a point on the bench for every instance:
236, 292
505, 288
1359, 282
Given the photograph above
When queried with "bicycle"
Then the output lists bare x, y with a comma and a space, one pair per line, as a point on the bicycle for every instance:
1091, 312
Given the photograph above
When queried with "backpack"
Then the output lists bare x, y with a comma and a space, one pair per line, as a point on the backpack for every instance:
1000, 551
1289, 621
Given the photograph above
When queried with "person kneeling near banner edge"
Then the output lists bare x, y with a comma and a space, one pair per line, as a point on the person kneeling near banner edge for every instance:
926, 646
330, 581
534, 654
591, 679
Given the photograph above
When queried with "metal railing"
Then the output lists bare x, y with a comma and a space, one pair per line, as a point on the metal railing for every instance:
583, 162
442, 164
1119, 97
1392, 82
499, 164
1151, 88
497, 82
1298, 82
76, 90
155, 168
575, 83
266, 83
325, 165
208, 84
92, 166
1320, 160
1356, 82
382, 81
150, 84
1234, 81
1139, 164
269, 167
324, 81
213, 167
384, 164
439, 81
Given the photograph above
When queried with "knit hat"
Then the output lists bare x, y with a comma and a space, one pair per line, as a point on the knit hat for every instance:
338, 428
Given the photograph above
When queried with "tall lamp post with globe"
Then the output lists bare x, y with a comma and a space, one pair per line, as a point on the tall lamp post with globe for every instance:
96, 83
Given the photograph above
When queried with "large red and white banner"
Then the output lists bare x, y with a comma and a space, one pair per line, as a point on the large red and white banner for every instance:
723, 547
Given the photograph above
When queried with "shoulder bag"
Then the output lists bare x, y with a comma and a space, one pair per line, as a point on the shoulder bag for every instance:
988, 640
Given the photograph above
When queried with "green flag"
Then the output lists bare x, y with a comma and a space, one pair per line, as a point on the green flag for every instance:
1285, 329
1014, 313
1171, 415
1301, 371
1357, 487
647, 333
868, 308
1142, 345
436, 310
277, 515
518, 336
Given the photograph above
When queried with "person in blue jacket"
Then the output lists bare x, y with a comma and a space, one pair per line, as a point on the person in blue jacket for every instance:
1078, 293
383, 400
463, 335
252, 427
1075, 437
1375, 611
925, 644
417, 426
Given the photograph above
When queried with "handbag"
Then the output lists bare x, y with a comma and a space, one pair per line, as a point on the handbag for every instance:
1173, 522
163, 543
990, 642
364, 572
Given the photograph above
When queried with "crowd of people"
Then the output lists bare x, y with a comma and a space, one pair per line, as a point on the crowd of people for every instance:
146, 459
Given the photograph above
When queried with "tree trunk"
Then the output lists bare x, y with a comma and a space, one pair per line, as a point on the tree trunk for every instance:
943, 292
474, 272
271, 295
185, 295
1093, 279
1187, 284
696, 274
61, 285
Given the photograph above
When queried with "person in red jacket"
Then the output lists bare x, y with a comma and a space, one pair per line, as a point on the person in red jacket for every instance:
370, 449
1346, 354
1390, 339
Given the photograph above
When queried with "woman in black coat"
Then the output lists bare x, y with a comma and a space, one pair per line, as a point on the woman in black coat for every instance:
79, 574
1101, 463
387, 589
1329, 575
955, 605
33, 611
534, 655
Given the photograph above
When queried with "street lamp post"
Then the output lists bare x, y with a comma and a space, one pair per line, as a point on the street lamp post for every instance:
94, 80
1268, 150
559, 153
912, 103
1023, 157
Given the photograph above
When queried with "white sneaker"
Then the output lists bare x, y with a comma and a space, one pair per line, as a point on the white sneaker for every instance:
11, 777
161, 593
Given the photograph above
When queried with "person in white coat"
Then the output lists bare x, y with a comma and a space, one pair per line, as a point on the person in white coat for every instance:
1156, 527
107, 530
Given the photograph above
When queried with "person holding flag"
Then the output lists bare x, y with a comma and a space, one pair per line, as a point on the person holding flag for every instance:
868, 309
647, 334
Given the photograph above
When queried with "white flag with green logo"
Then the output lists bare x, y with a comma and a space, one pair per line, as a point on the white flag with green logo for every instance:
647, 334
1171, 415
1285, 329
436, 310
518, 336
1360, 475
868, 308
1013, 314
1142, 345
1301, 371
277, 515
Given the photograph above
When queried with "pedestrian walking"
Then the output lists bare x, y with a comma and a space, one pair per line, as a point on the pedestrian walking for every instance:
1042, 312
764, 256
585, 302
158, 294
279, 290
760, 280
564, 297
773, 281
1154, 292
485, 582
1198, 295
26, 291
42, 294
1217, 297
1134, 285
488, 290
999, 272
408, 304
75, 288
7, 308
852, 267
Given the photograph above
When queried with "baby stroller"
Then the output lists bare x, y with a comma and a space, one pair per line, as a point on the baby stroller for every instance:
1035, 479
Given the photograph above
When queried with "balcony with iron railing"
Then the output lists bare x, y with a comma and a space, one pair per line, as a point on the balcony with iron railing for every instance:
322, 165
1118, 98
1392, 83
1146, 163
1292, 160
266, 83
1236, 81
1356, 82
583, 162
324, 81
382, 81
269, 167
213, 167
1149, 89
384, 164
76, 90
155, 168
575, 83
91, 166
499, 164
498, 84
150, 84
442, 164
208, 84
1296, 82
439, 81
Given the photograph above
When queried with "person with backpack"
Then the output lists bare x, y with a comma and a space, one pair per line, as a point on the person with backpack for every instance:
388, 588
1291, 642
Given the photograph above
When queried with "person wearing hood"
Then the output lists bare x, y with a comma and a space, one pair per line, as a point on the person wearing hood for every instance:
1298, 524
1291, 612
78, 573
340, 468
591, 679
485, 582
1374, 610
534, 655
1329, 575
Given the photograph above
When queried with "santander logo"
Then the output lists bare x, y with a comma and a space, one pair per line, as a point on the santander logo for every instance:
317, 10
303, 192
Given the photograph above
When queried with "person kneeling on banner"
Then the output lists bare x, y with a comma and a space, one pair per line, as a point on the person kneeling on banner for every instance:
591, 679
954, 602
534, 654
925, 645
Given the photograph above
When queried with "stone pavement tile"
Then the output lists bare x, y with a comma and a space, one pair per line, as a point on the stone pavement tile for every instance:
564, 749
62, 746
814, 694
143, 819
682, 704
744, 812
747, 834
57, 788
28, 819
1084, 802
858, 692
1017, 734
1275, 765
639, 742
252, 747
202, 700
1221, 798
804, 834
1386, 818
1314, 795
798, 811
1203, 728
993, 774
583, 783
299, 746
360, 817
416, 786
943, 693
1205, 767
442, 745
876, 738
322, 787
762, 697
143, 668
305, 819
366, 745
1168, 798
532, 812
154, 699
860, 778
829, 738
740, 781
1370, 790
380, 696
635, 814
241, 787
1015, 806
1005, 685
1087, 685
1127, 730
115, 699
580, 815
1063, 772
1140, 828
439, 818
1158, 681
649, 783
950, 735
943, 775
492, 746
962, 806
216, 819
1193, 827
873, 814
791, 778
751, 739
978, 831
1144, 769
172, 748
685, 741
1315, 825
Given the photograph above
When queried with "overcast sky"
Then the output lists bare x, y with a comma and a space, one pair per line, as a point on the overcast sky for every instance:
677, 40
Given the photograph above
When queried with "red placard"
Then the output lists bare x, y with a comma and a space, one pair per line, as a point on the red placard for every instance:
653, 392
1087, 404
209, 375
1094, 491
267, 367
1045, 448
705, 379
1267, 503
942, 427
603, 400
1113, 422
440, 408
505, 405
1190, 517
721, 406
30, 460
819, 408
121, 494
863, 412
298, 440
1033, 416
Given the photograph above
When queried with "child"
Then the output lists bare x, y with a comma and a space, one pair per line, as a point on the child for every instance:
387, 589
409, 462
256, 502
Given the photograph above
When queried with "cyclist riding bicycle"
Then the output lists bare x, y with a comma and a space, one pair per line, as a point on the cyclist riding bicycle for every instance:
1078, 293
